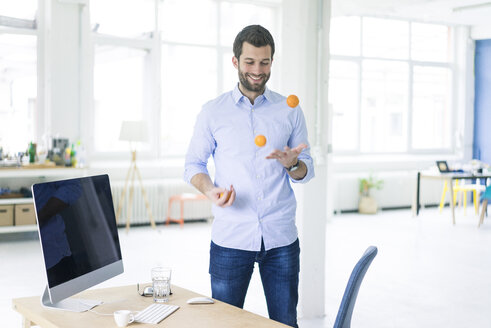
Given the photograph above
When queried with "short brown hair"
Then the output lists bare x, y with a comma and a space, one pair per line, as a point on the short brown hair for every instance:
256, 35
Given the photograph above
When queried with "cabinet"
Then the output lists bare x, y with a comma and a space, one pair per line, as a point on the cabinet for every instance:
17, 212
24, 214
6, 215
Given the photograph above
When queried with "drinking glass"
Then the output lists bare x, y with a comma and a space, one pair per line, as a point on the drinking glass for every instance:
161, 284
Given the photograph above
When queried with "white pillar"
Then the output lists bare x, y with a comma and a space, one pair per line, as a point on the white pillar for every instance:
61, 65
304, 73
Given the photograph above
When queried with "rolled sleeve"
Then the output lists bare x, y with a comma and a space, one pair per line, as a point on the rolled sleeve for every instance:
310, 169
300, 135
200, 148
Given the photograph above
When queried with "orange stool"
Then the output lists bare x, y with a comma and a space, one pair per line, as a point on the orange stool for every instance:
181, 199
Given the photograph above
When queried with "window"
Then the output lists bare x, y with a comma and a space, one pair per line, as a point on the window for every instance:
431, 100
18, 78
383, 106
345, 95
129, 18
390, 86
118, 93
123, 67
189, 79
196, 61
159, 61
18, 11
385, 38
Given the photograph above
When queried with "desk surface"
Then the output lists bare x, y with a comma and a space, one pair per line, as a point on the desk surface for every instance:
214, 315
448, 177
454, 175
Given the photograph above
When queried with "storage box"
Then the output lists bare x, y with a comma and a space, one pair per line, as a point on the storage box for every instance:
24, 214
6, 215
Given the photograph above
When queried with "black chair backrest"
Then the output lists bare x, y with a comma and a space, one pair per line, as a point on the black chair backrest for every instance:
343, 319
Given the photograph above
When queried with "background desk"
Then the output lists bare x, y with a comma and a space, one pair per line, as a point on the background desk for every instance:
126, 298
445, 176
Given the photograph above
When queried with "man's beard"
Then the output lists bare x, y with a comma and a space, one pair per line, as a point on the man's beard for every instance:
253, 87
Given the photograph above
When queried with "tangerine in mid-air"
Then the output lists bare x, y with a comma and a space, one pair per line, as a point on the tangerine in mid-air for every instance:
260, 140
292, 101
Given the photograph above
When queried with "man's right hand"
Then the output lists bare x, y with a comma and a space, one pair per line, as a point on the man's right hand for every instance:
221, 197
202, 182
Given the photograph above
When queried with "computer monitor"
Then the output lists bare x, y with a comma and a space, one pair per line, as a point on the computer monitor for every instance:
79, 238
442, 166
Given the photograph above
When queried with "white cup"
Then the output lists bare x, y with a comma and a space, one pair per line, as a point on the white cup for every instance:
123, 318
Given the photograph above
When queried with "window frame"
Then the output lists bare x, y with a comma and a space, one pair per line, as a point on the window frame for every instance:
451, 65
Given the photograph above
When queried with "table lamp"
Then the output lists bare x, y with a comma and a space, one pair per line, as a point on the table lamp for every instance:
133, 131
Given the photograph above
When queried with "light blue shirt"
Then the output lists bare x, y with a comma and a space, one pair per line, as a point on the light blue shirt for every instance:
265, 204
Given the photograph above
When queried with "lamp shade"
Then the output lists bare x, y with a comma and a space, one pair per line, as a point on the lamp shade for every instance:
134, 131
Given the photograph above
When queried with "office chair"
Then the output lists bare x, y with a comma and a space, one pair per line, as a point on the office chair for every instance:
343, 319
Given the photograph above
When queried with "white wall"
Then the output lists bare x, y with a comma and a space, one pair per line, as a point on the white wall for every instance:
398, 190
481, 32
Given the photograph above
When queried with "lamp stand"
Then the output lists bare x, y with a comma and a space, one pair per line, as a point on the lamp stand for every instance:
131, 172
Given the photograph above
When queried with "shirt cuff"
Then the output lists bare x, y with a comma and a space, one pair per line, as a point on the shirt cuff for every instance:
310, 171
191, 171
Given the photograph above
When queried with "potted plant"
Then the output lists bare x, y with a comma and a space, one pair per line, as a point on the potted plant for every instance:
368, 204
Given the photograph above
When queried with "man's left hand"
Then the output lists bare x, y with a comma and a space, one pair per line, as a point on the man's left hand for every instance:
288, 156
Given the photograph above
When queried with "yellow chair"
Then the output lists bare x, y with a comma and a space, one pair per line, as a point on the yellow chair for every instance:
464, 188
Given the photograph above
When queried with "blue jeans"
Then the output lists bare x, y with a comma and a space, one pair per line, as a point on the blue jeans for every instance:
231, 271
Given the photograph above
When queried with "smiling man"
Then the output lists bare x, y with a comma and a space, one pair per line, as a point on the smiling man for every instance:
253, 202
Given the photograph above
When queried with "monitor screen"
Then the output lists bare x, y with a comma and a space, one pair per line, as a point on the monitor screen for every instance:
78, 234
442, 166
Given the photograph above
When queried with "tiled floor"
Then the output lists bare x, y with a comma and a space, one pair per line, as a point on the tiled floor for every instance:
427, 273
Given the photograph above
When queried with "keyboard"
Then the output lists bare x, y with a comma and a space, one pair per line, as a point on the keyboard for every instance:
155, 313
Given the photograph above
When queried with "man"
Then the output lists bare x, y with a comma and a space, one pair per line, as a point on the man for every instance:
254, 205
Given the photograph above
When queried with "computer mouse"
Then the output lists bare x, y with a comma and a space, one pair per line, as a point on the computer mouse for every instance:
200, 300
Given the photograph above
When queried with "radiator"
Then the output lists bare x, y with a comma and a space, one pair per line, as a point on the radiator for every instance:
158, 194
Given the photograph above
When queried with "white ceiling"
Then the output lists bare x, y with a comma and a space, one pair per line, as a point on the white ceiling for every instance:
452, 12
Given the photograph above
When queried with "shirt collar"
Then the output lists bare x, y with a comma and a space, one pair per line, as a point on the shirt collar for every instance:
237, 95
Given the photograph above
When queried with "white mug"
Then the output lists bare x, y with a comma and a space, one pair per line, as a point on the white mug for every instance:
123, 318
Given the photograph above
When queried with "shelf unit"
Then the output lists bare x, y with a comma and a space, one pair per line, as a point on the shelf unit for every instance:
9, 201
27, 172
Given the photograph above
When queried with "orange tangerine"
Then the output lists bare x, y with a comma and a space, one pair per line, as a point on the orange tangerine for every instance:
292, 101
260, 140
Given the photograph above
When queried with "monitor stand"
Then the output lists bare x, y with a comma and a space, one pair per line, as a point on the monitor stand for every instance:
69, 304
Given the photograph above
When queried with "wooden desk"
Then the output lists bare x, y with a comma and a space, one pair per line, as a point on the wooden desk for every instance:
215, 315
443, 176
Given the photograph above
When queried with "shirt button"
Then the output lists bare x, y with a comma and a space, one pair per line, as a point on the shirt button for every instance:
257, 176
252, 109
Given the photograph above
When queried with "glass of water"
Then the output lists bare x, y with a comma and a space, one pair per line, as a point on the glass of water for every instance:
161, 284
